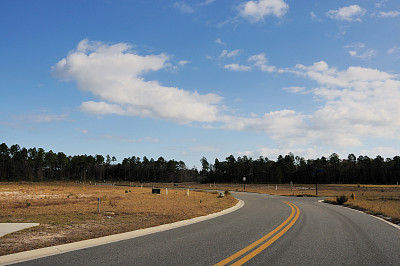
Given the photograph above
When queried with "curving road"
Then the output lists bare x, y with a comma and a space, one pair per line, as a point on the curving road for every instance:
289, 231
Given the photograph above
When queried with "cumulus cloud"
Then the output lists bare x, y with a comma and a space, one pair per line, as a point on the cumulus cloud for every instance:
359, 102
355, 104
256, 11
282, 126
115, 76
348, 13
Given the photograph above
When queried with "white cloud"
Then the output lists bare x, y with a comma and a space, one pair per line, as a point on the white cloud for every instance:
183, 7
226, 53
348, 13
102, 108
114, 75
273, 153
256, 11
381, 150
358, 50
359, 102
356, 104
390, 14
395, 51
260, 60
84, 131
314, 16
284, 126
365, 55
381, 3
219, 41
295, 89
236, 67
183, 62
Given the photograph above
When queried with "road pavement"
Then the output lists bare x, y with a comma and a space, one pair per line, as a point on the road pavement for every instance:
275, 230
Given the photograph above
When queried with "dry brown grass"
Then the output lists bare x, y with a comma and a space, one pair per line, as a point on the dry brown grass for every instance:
69, 212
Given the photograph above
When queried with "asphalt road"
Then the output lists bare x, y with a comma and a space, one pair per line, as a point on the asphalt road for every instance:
313, 234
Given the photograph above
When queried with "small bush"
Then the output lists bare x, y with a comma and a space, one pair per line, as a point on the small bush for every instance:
341, 200
227, 193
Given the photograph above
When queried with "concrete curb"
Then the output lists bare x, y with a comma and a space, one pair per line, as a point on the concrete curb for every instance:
49, 251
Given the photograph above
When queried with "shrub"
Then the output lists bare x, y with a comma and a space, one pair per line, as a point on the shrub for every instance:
227, 193
341, 200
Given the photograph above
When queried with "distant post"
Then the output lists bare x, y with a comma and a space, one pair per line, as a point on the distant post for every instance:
98, 204
244, 183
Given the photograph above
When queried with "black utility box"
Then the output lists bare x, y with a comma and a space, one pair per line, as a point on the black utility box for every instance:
156, 191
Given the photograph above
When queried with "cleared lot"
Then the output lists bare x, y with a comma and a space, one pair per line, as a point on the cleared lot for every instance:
69, 212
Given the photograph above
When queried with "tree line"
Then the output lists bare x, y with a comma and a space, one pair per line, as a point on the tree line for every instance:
290, 168
35, 164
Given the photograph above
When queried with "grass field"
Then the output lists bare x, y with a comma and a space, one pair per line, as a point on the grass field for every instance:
68, 212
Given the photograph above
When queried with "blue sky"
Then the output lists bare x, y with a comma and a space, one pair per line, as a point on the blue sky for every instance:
187, 79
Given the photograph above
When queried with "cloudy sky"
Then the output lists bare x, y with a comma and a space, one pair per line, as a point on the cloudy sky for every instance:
187, 79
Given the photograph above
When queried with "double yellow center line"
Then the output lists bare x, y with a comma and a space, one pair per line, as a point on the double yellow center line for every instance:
255, 248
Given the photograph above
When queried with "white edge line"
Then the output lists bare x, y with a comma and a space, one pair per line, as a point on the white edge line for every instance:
49, 251
379, 218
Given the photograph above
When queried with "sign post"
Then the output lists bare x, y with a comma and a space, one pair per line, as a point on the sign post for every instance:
244, 183
98, 204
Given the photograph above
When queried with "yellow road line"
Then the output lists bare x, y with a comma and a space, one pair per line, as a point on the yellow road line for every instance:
294, 208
